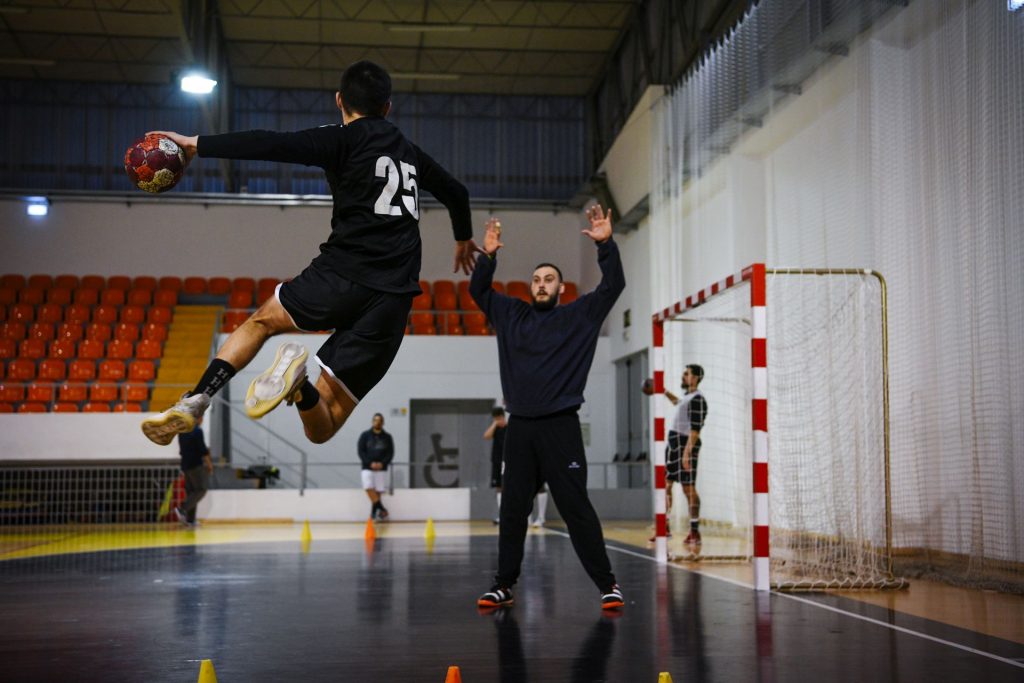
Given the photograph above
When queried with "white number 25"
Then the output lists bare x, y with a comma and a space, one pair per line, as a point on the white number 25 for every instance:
386, 169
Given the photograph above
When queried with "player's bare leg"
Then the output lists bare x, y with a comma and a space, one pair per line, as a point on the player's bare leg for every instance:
694, 500
323, 420
245, 342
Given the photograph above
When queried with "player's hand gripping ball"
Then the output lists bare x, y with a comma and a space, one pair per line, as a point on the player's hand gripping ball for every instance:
155, 163
648, 386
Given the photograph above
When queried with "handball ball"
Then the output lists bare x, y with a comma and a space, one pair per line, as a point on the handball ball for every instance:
154, 163
648, 386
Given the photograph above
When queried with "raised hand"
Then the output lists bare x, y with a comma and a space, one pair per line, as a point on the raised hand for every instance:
465, 256
186, 142
600, 224
492, 236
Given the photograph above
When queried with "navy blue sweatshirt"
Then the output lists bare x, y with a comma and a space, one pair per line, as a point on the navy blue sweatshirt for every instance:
375, 175
374, 447
545, 356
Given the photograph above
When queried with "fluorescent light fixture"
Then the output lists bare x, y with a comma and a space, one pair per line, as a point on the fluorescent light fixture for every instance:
430, 28
197, 83
425, 76
1014, 5
37, 206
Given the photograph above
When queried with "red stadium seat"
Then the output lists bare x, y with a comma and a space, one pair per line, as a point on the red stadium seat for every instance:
168, 298
154, 331
93, 282
443, 287
159, 314
58, 295
194, 285
498, 287
147, 282
128, 407
93, 407
77, 314
424, 329
445, 301
81, 369
425, 287
91, 349
119, 282
21, 369
8, 296
141, 371
462, 288
8, 349
41, 331
233, 319
32, 408
21, 313
240, 299
421, 320
66, 281
133, 314
63, 349
120, 350
262, 295
53, 370
101, 332
50, 313
135, 392
112, 297
12, 392
69, 332
243, 284
86, 297
40, 281
148, 349
12, 281
570, 294
218, 285
477, 331
466, 302
6, 407
448, 322
170, 282
140, 297
518, 289
73, 391
126, 332
40, 392
267, 283
32, 348
474, 321
31, 296
105, 314
12, 330
423, 302
103, 391
112, 371
64, 407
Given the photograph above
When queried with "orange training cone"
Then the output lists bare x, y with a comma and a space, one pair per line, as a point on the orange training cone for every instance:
453, 675
371, 534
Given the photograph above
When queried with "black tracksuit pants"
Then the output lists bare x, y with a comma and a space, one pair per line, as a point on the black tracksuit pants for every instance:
548, 449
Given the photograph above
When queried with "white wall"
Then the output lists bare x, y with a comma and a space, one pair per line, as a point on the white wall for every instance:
83, 436
331, 505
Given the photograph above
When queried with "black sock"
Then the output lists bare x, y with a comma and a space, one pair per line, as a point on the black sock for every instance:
217, 374
376, 506
308, 396
694, 524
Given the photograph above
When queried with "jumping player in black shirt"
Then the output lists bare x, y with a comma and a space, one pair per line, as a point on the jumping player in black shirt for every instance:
363, 282
544, 354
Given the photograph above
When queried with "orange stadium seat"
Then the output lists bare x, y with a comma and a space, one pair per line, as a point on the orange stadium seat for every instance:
498, 287
3, 313
422, 302
126, 332
77, 313
128, 408
21, 369
262, 295
147, 282
148, 349
103, 391
65, 407
105, 314
425, 287
39, 391
112, 371
50, 313
6, 407
233, 319
100, 332
12, 330
570, 294
154, 331
119, 282
112, 297
93, 407
445, 301
70, 332
167, 298
141, 371
93, 282
267, 283
12, 281
73, 391
12, 392
32, 348
62, 348
32, 408
31, 296
133, 314
240, 298
159, 314
170, 282
443, 287
474, 321
8, 295
120, 350
194, 285
58, 295
41, 331
8, 349
140, 297
447, 322
466, 302
21, 313
518, 289
40, 281
243, 284
66, 281
477, 331
82, 369
52, 369
91, 349
86, 297
132, 391
218, 285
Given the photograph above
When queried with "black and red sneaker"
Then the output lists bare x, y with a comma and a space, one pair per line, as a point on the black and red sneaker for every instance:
496, 597
693, 538
613, 599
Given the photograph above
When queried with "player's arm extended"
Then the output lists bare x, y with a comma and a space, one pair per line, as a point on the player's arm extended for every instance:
312, 147
437, 181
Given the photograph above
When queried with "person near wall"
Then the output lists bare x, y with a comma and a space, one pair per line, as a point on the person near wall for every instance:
196, 466
495, 433
544, 356
376, 451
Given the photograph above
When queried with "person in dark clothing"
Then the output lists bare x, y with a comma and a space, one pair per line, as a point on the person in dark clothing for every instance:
364, 280
544, 354
496, 435
376, 451
197, 466
683, 449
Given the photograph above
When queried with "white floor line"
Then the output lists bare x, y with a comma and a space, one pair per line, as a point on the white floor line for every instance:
901, 629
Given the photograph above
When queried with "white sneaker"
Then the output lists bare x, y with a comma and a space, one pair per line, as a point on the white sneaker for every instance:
278, 382
178, 419
537, 523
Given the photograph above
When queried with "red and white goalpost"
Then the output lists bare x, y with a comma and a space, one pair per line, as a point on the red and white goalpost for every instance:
812, 343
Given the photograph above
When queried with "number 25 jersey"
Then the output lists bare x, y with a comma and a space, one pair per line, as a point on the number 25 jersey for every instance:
376, 176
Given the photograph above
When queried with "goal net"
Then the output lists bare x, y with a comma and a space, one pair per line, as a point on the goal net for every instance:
793, 467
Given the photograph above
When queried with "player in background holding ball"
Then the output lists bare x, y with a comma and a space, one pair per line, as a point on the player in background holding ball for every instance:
363, 282
683, 446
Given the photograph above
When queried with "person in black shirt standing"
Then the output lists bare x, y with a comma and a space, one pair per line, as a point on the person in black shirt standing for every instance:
496, 435
362, 283
683, 448
544, 354
197, 466
376, 451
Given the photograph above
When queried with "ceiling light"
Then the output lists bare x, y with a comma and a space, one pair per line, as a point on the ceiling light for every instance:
1014, 5
197, 83
37, 206
430, 28
424, 76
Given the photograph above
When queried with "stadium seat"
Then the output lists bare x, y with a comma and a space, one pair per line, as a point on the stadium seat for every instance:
474, 321
77, 314
447, 322
466, 302
154, 331
462, 288
112, 297
126, 332
159, 314
65, 407
218, 285
267, 283
570, 294
146, 282
106, 314
170, 282
194, 285
8, 296
240, 298
443, 287
262, 295
93, 407
53, 370
12, 392
445, 301
243, 284
120, 350
233, 319
423, 302
50, 313
73, 391
119, 282
127, 408
477, 331
425, 287
40, 392
6, 407
424, 330
86, 297
21, 313
101, 332
141, 371
3, 313
31, 296
63, 349
420, 319
12, 330
43, 331
133, 314
12, 281
32, 408
518, 289
81, 369
8, 349
134, 392
40, 281
112, 371
58, 295
91, 349
103, 391
140, 297
498, 287
21, 369
69, 332
168, 298
147, 349
32, 348
66, 282
96, 282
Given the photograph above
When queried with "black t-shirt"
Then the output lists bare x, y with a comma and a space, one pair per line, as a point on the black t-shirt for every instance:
497, 445
375, 175
192, 448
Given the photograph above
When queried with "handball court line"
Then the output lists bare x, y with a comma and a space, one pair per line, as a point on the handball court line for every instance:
894, 627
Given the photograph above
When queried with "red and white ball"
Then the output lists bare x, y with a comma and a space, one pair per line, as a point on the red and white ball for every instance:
155, 163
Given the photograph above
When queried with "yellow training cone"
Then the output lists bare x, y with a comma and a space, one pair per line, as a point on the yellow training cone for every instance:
307, 535
664, 677
429, 533
206, 674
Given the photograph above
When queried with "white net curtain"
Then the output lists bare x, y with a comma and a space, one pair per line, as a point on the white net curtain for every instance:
872, 135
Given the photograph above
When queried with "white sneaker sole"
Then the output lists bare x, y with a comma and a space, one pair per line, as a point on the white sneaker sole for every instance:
271, 387
162, 428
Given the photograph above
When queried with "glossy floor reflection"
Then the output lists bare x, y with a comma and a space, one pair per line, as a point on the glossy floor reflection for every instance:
400, 611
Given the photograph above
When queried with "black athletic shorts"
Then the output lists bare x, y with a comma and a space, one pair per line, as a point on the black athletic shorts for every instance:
674, 459
368, 325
